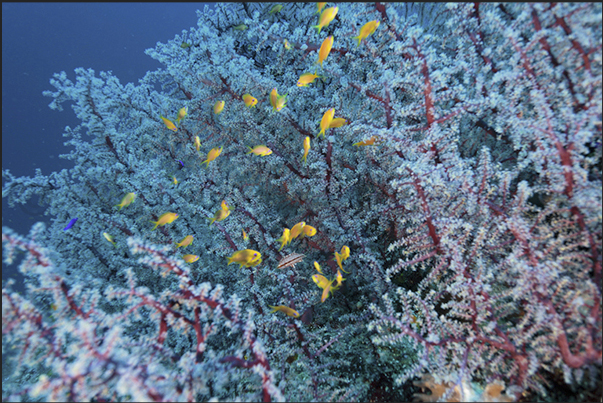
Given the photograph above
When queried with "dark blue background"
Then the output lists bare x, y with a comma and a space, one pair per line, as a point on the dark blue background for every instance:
39, 39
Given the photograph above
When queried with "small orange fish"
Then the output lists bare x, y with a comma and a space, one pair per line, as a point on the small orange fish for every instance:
218, 107
306, 148
109, 238
277, 101
340, 257
337, 122
308, 230
286, 310
339, 278
326, 17
325, 49
297, 229
197, 143
259, 150
126, 200
324, 283
245, 236
368, 142
212, 155
307, 78
221, 214
181, 114
320, 6
185, 242
275, 9
164, 219
285, 238
190, 258
168, 123
287, 45
250, 101
326, 121
366, 30
245, 257
345, 252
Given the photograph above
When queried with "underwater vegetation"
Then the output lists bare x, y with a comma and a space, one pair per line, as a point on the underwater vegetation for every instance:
410, 195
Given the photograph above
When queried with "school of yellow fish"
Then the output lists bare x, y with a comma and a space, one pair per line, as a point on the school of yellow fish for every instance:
249, 257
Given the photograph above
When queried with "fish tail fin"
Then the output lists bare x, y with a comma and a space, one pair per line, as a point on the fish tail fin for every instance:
156, 224
251, 149
319, 27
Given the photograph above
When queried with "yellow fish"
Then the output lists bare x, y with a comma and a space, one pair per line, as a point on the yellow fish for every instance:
325, 49
126, 200
324, 283
337, 122
340, 257
165, 219
212, 155
169, 124
307, 78
320, 6
297, 229
221, 214
181, 114
185, 242
174, 180
306, 148
326, 17
286, 310
326, 120
285, 238
339, 278
345, 252
323, 280
366, 30
275, 8
277, 101
219, 106
240, 27
308, 230
109, 238
190, 258
249, 100
245, 257
288, 46
368, 142
197, 143
259, 150
245, 236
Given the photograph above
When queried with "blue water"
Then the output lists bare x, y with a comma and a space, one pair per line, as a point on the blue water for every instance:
40, 39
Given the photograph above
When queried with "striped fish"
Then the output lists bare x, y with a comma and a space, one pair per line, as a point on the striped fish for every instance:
290, 260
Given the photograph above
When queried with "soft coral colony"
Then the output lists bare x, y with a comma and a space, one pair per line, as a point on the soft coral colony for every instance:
445, 158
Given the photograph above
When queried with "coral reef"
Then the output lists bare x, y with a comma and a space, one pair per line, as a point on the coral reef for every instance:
456, 186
